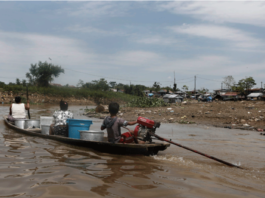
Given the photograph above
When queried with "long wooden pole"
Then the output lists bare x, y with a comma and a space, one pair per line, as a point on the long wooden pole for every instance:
27, 101
200, 153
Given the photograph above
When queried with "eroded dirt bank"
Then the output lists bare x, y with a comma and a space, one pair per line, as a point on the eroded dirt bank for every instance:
243, 115
35, 98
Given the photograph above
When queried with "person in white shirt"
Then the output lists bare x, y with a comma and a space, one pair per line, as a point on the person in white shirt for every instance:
17, 109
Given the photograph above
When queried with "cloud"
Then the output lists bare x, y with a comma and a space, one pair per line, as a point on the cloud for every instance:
237, 37
95, 9
94, 30
246, 12
143, 59
22, 49
207, 64
157, 40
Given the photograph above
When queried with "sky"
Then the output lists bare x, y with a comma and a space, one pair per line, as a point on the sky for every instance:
137, 42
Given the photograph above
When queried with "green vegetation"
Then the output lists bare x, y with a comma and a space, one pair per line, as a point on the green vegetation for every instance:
100, 84
147, 102
136, 90
96, 95
89, 110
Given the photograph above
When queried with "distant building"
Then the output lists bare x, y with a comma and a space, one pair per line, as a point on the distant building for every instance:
181, 93
55, 85
114, 90
164, 91
257, 93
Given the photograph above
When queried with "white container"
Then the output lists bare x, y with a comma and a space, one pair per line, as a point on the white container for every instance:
92, 135
31, 124
45, 129
45, 120
20, 124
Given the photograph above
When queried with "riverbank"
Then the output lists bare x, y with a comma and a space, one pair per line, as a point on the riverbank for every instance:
74, 96
35, 98
247, 115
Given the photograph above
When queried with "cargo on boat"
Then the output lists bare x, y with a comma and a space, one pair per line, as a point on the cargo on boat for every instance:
103, 146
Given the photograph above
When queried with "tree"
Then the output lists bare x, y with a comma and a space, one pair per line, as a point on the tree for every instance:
120, 86
229, 82
175, 87
185, 88
18, 81
156, 86
112, 84
2, 84
167, 88
100, 84
43, 73
245, 84
134, 89
80, 83
24, 83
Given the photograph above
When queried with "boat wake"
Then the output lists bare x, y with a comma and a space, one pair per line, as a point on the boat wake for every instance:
177, 160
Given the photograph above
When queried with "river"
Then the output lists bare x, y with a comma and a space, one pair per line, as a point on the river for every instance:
37, 167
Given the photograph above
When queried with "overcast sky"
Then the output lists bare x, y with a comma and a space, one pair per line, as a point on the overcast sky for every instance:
141, 42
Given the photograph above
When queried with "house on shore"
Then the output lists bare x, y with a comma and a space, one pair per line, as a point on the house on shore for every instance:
172, 98
193, 94
162, 92
181, 93
256, 93
114, 90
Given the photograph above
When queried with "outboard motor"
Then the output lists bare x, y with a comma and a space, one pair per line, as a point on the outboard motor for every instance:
144, 127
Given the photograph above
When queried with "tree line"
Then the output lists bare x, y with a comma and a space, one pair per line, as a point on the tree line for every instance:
42, 74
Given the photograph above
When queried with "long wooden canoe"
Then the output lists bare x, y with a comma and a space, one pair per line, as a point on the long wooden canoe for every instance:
104, 146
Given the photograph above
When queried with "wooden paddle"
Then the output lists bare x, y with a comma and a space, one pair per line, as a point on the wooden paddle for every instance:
200, 153
27, 101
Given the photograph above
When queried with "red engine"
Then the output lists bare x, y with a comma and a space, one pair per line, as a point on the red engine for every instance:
146, 122
144, 127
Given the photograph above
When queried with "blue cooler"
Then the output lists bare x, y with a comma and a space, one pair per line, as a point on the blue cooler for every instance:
74, 126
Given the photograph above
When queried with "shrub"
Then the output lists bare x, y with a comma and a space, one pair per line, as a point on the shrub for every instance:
147, 102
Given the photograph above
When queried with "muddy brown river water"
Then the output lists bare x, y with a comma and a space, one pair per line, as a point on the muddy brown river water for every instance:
37, 167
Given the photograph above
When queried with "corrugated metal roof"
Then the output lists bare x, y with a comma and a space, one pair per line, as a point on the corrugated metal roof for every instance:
171, 96
230, 94
254, 95
255, 89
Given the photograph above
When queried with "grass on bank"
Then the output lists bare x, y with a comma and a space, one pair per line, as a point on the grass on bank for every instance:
98, 96
79, 93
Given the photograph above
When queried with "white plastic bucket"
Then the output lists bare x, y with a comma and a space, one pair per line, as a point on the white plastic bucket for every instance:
45, 129
45, 120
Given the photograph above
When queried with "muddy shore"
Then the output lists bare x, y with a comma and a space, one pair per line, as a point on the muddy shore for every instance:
247, 115
35, 98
